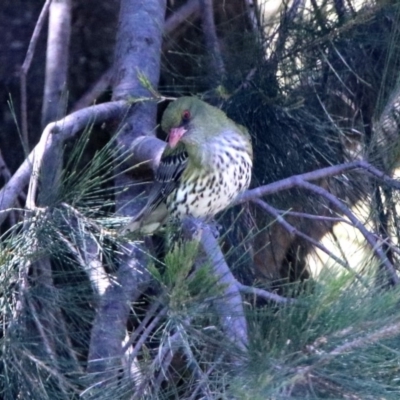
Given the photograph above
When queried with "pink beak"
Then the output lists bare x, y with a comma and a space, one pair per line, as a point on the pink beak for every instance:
175, 135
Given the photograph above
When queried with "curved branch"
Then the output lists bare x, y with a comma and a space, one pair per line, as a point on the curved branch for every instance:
64, 129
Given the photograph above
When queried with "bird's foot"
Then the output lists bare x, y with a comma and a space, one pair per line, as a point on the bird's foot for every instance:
215, 228
194, 226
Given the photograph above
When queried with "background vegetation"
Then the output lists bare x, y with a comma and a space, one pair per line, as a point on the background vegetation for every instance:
232, 310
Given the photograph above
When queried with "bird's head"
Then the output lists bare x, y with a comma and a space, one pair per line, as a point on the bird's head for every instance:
190, 121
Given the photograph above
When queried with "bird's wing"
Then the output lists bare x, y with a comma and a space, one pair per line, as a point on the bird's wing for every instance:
172, 164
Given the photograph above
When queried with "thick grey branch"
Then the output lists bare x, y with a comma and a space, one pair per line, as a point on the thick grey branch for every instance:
229, 306
109, 327
137, 53
56, 61
210, 34
187, 10
138, 50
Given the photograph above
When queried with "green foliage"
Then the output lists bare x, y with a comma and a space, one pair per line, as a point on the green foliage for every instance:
47, 274
87, 182
187, 285
296, 350
339, 341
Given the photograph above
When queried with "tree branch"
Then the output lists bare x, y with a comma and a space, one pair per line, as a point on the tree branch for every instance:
63, 130
264, 294
106, 352
137, 54
217, 70
293, 231
57, 55
370, 238
229, 306
369, 339
292, 181
187, 10
24, 72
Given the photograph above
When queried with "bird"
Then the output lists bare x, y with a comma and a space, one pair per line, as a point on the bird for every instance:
205, 165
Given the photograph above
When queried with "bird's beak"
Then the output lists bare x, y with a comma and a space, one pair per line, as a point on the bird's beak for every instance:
175, 135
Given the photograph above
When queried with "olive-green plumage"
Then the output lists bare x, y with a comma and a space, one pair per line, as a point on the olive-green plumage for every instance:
205, 165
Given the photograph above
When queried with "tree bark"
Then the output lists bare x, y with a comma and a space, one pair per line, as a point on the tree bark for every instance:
138, 52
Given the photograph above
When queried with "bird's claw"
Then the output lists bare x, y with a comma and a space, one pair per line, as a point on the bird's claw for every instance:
215, 228
193, 227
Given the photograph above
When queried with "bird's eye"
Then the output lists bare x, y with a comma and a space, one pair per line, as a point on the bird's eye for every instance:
186, 116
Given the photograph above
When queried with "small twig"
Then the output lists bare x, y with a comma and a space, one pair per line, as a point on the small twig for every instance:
49, 350
388, 242
264, 294
30, 231
246, 81
161, 360
287, 17
192, 362
24, 72
312, 216
79, 216
163, 368
146, 333
369, 339
319, 17
204, 378
150, 313
51, 371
